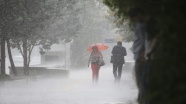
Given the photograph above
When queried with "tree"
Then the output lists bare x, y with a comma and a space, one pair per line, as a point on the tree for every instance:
123, 27
21, 20
26, 23
67, 24
6, 23
94, 28
167, 76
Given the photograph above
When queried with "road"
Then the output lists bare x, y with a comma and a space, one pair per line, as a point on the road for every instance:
77, 89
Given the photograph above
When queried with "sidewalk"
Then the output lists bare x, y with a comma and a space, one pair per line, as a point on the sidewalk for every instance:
77, 89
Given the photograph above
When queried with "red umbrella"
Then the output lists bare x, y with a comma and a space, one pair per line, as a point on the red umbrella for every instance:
101, 46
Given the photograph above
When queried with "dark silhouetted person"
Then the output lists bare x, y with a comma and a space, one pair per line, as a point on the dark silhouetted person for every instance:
143, 47
117, 58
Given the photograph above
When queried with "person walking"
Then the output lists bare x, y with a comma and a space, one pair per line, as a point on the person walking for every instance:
94, 59
117, 58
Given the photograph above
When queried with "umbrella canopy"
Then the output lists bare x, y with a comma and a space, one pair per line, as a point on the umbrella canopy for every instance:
100, 46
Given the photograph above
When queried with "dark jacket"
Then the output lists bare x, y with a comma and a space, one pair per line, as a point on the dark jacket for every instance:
118, 55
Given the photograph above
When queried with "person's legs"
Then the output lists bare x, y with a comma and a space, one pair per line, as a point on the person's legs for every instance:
93, 66
115, 71
97, 73
119, 71
139, 70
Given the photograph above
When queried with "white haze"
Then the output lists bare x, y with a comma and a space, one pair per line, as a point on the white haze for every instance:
78, 87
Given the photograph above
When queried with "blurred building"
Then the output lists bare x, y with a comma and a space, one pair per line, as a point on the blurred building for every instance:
53, 57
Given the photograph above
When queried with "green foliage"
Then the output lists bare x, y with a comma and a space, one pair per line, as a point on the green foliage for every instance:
167, 85
33, 18
125, 31
122, 25
39, 22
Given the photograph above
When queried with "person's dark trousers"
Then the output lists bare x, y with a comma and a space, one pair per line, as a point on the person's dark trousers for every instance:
117, 71
139, 70
139, 74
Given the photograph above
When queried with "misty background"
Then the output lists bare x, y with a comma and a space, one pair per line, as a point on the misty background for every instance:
85, 23
44, 53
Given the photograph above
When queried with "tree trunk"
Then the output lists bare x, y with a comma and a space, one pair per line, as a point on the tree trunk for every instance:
3, 56
25, 60
10, 57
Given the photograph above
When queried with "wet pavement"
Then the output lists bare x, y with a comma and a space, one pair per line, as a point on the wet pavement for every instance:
77, 89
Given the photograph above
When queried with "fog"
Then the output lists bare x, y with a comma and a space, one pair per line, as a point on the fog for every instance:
76, 89
60, 74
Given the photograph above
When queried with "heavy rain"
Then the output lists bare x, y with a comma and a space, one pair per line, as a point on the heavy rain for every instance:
47, 60
90, 52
